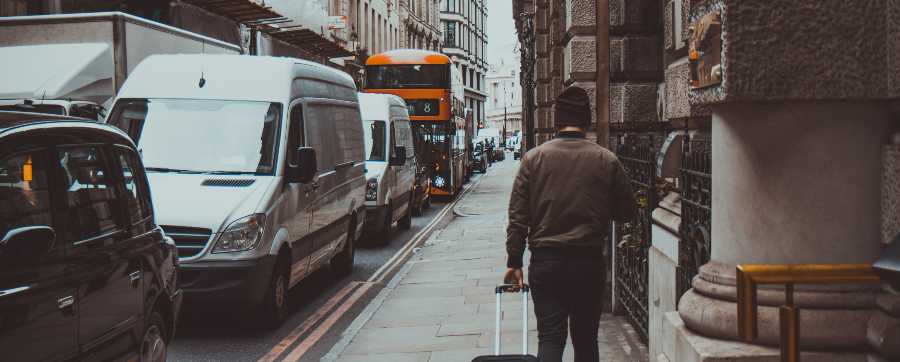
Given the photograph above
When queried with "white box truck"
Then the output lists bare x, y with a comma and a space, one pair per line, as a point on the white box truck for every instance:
73, 64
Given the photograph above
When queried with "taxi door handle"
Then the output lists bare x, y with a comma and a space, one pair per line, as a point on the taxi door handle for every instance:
66, 305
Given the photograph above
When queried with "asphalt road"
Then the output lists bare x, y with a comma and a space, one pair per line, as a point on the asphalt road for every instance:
216, 333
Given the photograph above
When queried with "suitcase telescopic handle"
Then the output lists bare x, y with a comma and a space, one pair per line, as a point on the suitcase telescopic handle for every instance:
512, 288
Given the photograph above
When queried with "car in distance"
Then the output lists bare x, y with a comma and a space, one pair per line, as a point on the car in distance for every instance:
256, 165
390, 164
479, 157
85, 271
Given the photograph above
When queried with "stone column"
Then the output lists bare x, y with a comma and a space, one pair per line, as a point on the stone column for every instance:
799, 120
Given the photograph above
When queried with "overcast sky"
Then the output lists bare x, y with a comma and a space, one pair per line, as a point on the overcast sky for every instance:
501, 32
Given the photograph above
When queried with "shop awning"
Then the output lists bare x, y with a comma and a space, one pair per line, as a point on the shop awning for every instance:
242, 11
266, 20
307, 39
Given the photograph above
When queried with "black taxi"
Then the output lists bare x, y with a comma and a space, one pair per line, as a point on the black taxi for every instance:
85, 272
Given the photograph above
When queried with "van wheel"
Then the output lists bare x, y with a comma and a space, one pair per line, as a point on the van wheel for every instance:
417, 207
153, 345
274, 306
388, 223
342, 263
405, 222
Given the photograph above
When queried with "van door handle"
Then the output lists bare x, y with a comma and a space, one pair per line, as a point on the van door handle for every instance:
66, 304
135, 278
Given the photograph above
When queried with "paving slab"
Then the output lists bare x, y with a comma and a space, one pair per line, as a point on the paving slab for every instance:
407, 339
462, 355
418, 291
387, 357
378, 321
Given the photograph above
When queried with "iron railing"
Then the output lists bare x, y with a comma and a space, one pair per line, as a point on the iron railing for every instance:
749, 276
638, 156
696, 213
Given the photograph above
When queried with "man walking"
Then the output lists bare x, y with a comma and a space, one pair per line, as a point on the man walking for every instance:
565, 194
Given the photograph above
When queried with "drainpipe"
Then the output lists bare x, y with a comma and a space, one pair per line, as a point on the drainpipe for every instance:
602, 88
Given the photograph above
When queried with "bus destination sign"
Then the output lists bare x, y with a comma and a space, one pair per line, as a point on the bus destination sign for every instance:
422, 107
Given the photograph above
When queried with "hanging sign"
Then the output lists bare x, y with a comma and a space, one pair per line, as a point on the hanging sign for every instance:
337, 22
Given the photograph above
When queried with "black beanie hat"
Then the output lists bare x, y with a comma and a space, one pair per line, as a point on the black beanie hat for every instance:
573, 108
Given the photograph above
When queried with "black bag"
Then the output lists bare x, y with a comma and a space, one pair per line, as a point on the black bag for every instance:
497, 357
888, 264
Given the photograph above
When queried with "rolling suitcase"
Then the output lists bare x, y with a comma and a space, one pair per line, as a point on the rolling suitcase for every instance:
498, 357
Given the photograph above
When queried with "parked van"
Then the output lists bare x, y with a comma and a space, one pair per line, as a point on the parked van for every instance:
390, 163
256, 166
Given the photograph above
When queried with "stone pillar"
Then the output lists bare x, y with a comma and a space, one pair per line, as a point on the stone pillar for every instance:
799, 120
634, 60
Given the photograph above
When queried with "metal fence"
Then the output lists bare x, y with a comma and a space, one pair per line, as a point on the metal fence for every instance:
696, 213
637, 152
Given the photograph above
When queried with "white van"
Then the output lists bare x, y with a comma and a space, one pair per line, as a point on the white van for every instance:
256, 168
390, 164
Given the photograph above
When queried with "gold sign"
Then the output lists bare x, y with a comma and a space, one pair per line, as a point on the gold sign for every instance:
706, 51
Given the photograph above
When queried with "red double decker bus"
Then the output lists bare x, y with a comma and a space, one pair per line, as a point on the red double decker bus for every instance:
433, 90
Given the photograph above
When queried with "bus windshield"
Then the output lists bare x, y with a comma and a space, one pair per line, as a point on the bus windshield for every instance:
399, 76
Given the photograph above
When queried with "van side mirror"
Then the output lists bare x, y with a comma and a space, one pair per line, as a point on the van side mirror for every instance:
303, 167
399, 156
27, 243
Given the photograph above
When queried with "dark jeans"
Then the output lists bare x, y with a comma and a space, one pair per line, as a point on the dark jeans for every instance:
567, 287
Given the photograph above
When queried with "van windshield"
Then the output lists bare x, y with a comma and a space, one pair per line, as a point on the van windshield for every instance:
202, 136
376, 140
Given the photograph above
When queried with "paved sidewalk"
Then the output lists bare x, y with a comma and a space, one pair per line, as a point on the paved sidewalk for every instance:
440, 307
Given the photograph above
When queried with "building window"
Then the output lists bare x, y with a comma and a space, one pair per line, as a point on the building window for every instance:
354, 18
450, 34
16, 7
335, 7
372, 31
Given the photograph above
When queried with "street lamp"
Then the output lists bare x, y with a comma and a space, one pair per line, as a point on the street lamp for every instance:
505, 103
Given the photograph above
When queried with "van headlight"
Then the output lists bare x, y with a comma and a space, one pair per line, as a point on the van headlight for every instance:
242, 234
372, 190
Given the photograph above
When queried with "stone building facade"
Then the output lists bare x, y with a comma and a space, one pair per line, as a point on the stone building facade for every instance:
750, 138
465, 42
503, 109
420, 24
376, 25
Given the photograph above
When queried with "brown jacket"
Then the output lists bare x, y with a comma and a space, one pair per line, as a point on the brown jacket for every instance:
565, 194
